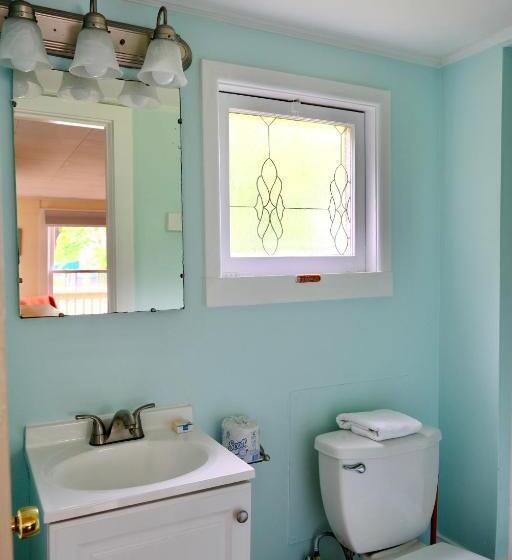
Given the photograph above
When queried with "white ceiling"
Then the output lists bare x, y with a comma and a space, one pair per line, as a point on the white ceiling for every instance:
58, 161
430, 31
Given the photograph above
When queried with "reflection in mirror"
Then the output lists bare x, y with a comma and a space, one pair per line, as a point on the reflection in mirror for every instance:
98, 191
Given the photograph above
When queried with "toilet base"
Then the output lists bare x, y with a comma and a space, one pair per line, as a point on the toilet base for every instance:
395, 552
415, 550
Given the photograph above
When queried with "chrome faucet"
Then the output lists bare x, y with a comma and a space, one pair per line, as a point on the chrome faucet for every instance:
123, 419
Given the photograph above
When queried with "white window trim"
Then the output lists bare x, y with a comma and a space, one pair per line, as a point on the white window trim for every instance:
72, 218
377, 281
247, 266
46, 247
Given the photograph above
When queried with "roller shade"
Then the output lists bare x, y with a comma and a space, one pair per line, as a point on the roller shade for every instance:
75, 218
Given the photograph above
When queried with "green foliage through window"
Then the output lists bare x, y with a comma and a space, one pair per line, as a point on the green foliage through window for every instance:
80, 248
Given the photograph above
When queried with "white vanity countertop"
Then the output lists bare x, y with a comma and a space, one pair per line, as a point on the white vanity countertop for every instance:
59, 456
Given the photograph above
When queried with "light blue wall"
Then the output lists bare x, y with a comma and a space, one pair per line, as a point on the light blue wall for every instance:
157, 191
281, 364
470, 302
502, 530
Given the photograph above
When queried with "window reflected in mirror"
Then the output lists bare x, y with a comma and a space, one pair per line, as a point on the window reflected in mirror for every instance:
98, 190
78, 272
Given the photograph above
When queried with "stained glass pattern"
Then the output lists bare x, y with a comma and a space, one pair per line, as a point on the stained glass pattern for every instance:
290, 187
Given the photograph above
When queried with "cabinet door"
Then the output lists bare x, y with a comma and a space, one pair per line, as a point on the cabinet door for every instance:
201, 526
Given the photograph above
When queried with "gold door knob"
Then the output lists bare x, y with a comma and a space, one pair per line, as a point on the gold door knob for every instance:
26, 523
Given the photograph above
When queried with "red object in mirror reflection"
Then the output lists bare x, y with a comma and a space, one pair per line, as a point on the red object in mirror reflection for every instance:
39, 300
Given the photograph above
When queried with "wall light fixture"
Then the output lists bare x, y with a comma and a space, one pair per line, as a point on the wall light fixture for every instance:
163, 64
98, 48
21, 41
95, 56
139, 96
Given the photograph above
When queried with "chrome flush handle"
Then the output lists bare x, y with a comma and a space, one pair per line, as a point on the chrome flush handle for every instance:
358, 467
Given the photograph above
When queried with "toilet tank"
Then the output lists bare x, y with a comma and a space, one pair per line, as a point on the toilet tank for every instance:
377, 495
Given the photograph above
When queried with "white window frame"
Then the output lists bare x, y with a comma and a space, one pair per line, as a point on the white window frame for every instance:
376, 281
256, 266
71, 218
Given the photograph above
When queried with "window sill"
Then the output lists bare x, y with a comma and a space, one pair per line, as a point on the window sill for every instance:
284, 289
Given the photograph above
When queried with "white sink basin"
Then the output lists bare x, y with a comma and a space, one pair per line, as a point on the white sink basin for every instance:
128, 464
74, 479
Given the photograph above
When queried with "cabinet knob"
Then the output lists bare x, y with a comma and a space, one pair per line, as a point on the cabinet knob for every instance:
242, 516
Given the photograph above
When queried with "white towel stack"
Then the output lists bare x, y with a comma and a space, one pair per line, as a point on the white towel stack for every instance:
379, 425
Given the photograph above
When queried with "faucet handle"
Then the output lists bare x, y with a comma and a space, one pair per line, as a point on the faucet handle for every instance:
138, 432
98, 428
137, 411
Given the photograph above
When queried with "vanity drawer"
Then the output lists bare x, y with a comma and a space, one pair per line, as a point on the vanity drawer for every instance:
197, 526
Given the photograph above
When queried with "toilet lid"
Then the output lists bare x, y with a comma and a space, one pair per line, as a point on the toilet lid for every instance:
442, 551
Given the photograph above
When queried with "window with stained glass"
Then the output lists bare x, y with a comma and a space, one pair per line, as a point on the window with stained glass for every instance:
294, 186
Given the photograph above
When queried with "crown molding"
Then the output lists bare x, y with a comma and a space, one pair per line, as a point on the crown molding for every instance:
260, 24
502, 38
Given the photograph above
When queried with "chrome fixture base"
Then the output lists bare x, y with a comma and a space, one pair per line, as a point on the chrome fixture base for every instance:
93, 20
60, 31
21, 9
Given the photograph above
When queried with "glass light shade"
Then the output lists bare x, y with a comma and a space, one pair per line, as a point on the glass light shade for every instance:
79, 89
26, 85
162, 66
95, 56
21, 46
139, 96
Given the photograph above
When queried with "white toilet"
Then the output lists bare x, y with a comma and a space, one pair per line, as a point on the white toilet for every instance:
379, 496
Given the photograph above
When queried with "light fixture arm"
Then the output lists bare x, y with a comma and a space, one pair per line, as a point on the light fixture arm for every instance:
163, 30
162, 13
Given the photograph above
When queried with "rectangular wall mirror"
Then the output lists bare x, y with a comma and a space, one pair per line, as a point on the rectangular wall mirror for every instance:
98, 192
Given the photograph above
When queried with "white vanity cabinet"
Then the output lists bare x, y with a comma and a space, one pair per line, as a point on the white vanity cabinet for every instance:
166, 496
206, 525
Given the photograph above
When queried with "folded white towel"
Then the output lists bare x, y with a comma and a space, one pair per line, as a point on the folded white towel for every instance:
379, 425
